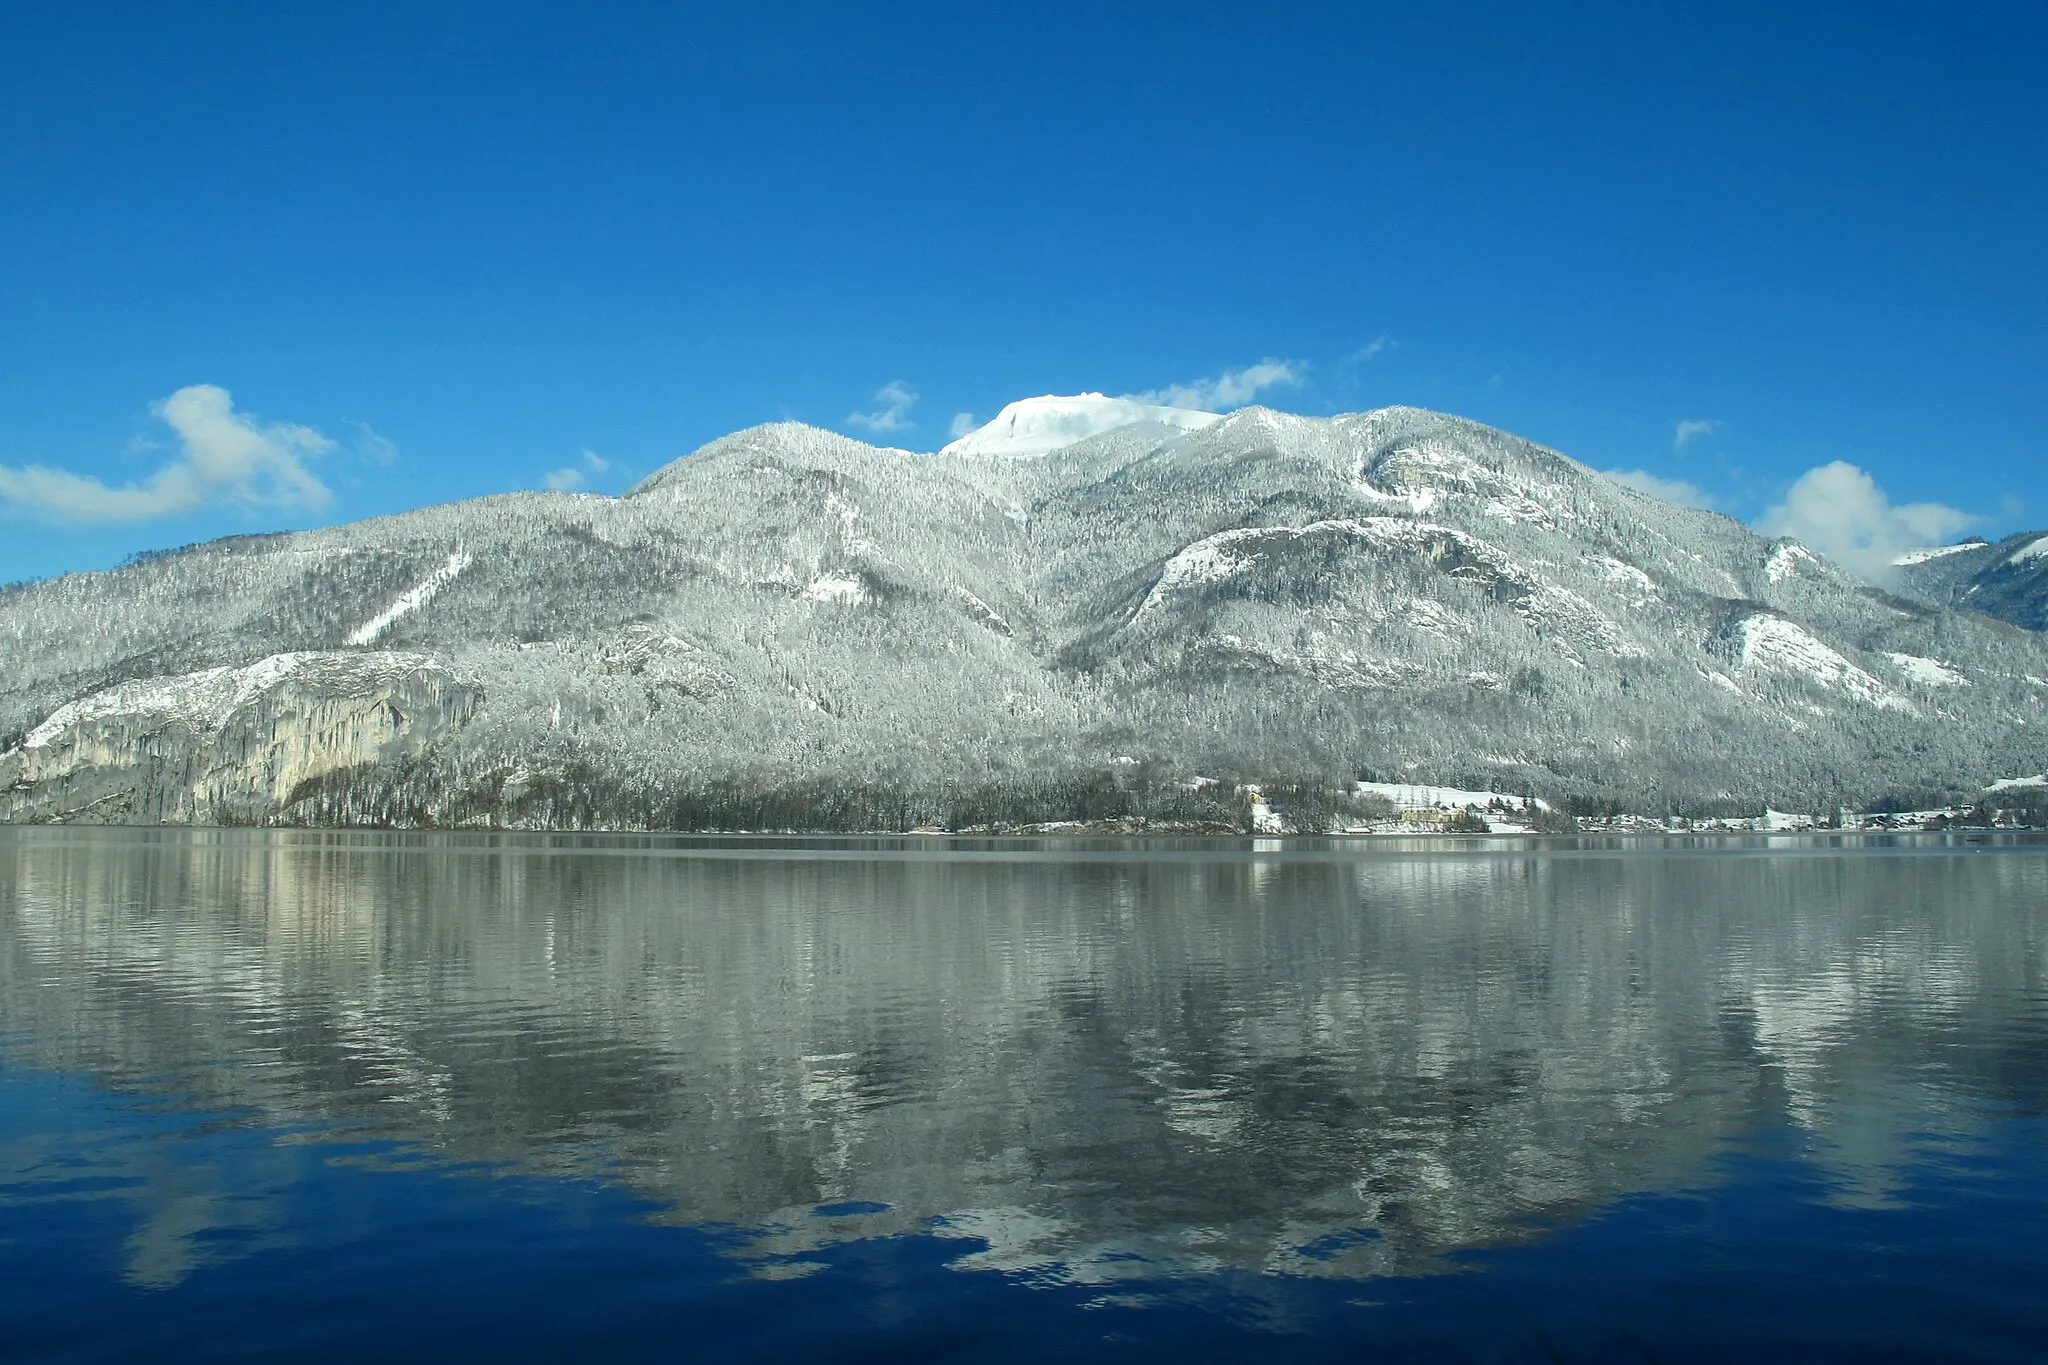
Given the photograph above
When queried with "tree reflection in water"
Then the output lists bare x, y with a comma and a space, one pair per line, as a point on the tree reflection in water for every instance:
1089, 1062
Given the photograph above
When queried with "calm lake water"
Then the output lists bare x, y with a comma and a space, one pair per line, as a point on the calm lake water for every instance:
364, 1096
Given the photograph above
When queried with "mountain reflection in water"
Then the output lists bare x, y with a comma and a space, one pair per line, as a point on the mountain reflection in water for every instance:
1089, 1062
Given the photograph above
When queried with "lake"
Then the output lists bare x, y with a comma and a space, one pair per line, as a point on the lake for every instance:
324, 1095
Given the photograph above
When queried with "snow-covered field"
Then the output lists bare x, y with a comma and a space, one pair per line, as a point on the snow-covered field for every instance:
1416, 796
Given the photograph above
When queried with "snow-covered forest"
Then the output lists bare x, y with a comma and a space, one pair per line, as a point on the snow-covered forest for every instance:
792, 629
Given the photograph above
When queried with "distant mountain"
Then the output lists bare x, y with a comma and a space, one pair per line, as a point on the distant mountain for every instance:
2008, 580
791, 628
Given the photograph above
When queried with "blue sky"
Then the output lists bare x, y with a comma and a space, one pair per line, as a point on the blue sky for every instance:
280, 265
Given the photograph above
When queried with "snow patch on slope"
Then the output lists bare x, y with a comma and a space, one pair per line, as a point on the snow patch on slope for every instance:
1206, 561
1409, 468
1418, 501
202, 700
206, 700
1787, 559
1226, 554
1433, 618
411, 600
982, 611
1328, 664
1427, 473
1773, 644
2035, 549
840, 588
1038, 426
1938, 552
1519, 508
1929, 672
1625, 574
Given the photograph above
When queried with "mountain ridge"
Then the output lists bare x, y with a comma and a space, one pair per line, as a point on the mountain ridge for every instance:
791, 616
2008, 580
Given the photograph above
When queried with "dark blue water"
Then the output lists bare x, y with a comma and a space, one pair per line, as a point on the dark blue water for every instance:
406, 1097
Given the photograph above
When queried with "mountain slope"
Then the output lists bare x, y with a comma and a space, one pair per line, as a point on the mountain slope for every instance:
792, 627
2008, 580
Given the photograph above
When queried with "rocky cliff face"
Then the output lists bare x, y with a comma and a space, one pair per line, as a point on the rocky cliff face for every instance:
791, 628
228, 744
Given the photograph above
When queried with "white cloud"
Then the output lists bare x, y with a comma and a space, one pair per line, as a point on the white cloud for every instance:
963, 422
896, 399
1231, 389
1840, 511
226, 459
373, 447
1370, 349
1690, 428
569, 478
1670, 490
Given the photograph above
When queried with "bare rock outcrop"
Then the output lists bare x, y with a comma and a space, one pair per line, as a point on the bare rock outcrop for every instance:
228, 744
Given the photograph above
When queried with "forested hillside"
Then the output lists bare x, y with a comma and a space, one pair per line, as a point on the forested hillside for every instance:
792, 629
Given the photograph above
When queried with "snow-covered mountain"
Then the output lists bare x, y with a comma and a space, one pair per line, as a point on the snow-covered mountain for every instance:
2008, 580
1039, 426
789, 627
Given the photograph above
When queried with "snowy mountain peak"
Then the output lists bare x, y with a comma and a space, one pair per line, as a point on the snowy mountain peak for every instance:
1038, 426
